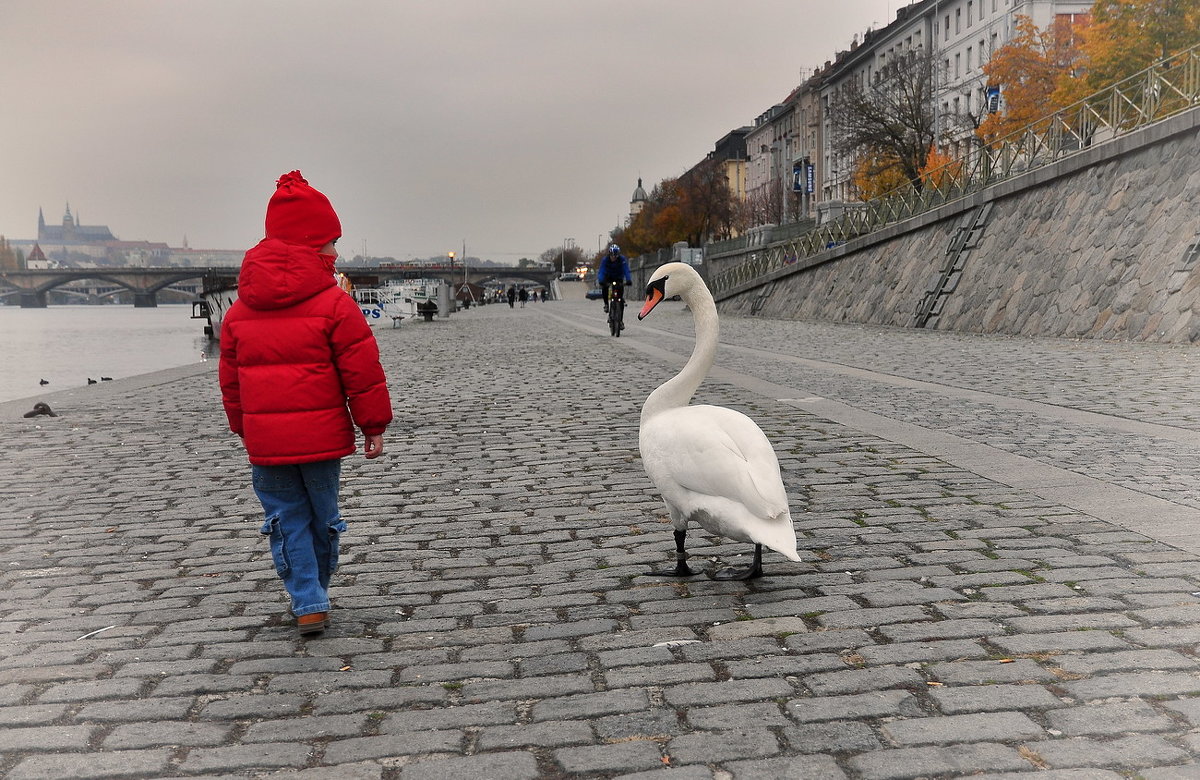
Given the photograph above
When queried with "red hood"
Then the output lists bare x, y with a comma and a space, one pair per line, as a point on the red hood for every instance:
276, 275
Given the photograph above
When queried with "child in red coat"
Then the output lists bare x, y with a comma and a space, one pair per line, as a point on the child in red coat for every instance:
299, 371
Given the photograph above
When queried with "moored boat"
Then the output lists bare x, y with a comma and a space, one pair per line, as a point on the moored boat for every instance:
216, 297
397, 298
384, 304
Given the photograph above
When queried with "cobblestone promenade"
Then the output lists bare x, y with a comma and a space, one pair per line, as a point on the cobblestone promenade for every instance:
1000, 575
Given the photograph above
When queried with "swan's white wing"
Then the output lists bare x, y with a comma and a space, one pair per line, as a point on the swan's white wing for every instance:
713, 451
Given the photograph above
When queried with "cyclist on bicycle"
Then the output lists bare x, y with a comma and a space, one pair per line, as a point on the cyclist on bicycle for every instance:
613, 269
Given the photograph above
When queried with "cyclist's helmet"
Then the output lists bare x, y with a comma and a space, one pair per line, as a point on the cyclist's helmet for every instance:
613, 249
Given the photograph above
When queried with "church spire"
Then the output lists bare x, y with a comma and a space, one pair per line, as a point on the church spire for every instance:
638, 201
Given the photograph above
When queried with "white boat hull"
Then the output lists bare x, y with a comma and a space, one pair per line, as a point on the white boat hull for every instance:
379, 305
212, 306
382, 305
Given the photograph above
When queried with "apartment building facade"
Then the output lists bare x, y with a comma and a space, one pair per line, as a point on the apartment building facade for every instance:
966, 34
960, 37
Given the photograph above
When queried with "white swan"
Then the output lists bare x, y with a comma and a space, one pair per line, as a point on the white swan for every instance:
713, 466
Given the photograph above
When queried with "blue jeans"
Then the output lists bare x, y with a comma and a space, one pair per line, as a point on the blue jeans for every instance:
304, 526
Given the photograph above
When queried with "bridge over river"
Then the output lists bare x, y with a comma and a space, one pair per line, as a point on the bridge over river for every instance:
31, 286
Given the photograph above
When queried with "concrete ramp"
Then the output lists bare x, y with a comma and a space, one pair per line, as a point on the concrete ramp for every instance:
572, 291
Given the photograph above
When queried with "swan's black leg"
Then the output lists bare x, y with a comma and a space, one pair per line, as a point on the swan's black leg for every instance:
751, 572
681, 568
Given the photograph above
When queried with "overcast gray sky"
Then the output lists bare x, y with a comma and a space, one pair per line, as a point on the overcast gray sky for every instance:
508, 124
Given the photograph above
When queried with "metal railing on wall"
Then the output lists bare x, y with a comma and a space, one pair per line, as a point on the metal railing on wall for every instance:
1166, 88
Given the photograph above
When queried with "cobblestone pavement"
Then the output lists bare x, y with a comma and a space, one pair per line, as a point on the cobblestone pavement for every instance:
953, 615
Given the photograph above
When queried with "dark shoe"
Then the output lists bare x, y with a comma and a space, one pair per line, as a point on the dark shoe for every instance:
312, 623
606, 308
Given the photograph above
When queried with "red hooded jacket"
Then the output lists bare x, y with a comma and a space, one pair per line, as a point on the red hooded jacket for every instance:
299, 364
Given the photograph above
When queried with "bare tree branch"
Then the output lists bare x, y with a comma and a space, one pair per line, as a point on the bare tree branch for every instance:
892, 117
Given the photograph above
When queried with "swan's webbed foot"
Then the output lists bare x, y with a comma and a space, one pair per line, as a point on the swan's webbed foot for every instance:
681, 568
734, 575
751, 572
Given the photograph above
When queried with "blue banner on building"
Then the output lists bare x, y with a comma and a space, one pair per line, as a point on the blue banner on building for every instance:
803, 177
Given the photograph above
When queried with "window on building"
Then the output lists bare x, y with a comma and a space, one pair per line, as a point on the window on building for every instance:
992, 49
970, 11
957, 21
970, 54
946, 29
957, 66
1070, 23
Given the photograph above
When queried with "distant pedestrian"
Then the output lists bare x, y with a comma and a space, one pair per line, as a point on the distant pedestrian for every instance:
512, 295
299, 369
523, 295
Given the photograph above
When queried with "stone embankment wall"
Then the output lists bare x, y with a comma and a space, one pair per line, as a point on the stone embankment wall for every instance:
1105, 244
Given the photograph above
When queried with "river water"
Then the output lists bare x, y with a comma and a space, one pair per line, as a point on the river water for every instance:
67, 345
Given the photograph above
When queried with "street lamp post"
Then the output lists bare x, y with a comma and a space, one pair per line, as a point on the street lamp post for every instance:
562, 263
777, 168
933, 74
783, 183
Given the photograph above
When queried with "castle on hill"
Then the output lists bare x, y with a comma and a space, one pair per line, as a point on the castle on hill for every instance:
71, 232
74, 244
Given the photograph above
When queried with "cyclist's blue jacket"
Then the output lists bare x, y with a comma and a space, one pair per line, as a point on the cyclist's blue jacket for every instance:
613, 268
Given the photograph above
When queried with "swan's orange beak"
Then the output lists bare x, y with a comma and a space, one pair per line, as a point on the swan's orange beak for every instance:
652, 300
655, 292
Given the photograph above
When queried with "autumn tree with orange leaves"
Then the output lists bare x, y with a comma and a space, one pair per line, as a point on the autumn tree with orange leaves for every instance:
877, 174
1040, 71
1029, 70
708, 203
9, 260
695, 208
1127, 36
941, 170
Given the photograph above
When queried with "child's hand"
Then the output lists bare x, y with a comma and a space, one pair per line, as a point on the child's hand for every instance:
373, 447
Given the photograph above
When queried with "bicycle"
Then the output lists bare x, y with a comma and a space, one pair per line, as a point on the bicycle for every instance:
616, 308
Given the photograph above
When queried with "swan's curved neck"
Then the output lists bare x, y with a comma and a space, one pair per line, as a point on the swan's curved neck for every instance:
678, 390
